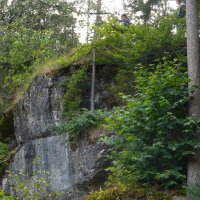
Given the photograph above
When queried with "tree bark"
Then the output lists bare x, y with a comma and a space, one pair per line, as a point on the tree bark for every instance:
88, 21
194, 75
92, 106
98, 19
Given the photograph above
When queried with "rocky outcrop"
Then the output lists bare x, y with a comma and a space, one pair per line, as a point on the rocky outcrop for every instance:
75, 171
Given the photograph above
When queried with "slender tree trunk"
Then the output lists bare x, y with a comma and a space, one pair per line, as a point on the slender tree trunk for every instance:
165, 8
98, 16
98, 19
88, 21
92, 107
194, 75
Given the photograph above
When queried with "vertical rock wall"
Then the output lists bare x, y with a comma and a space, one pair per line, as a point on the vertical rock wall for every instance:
75, 171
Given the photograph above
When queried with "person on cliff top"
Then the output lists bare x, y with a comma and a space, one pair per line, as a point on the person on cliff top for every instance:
125, 20
181, 8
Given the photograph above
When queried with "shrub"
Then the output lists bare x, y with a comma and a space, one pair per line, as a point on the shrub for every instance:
3, 196
37, 188
82, 121
154, 131
123, 192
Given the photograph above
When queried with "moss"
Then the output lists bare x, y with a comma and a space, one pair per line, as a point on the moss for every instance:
72, 99
126, 192
21, 83
77, 56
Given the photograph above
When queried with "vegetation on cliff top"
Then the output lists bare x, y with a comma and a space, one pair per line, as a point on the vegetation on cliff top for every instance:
154, 139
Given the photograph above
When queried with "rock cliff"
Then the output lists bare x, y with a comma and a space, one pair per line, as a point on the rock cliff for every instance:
75, 171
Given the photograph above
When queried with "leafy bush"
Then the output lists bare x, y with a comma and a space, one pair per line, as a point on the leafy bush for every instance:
124, 47
3, 196
123, 192
154, 131
21, 50
83, 121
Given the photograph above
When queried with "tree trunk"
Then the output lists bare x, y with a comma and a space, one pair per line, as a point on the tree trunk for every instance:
98, 19
98, 16
194, 75
92, 106
88, 21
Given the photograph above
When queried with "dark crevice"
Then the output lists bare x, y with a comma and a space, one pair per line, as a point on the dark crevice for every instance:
7, 132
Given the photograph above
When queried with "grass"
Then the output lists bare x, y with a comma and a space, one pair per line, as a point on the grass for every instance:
76, 56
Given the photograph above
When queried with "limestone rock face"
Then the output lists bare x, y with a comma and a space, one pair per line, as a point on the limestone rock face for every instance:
40, 108
73, 170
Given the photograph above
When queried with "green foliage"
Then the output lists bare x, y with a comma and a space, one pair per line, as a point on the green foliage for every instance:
43, 15
76, 55
82, 121
3, 196
21, 48
24, 49
193, 191
31, 32
4, 153
145, 8
124, 83
154, 131
16, 80
122, 48
23, 188
72, 98
124, 192
126, 46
